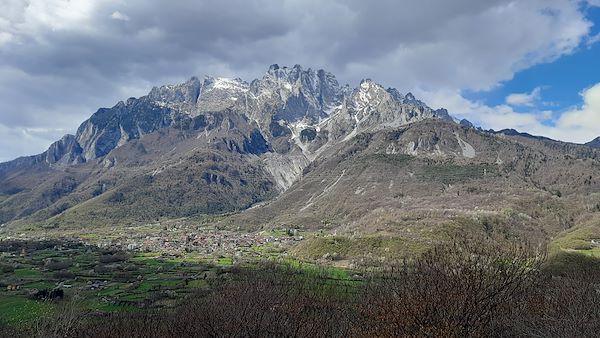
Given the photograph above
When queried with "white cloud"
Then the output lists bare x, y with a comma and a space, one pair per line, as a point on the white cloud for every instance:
54, 15
24, 141
60, 60
592, 40
119, 16
496, 117
594, 3
579, 124
582, 124
524, 99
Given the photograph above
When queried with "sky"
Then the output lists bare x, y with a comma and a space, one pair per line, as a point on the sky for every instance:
531, 65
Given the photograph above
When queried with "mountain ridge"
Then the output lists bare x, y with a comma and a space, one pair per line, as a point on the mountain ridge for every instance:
273, 127
296, 149
315, 92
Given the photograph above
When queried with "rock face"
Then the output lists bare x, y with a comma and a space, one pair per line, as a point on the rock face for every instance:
297, 149
272, 128
433, 176
66, 151
284, 104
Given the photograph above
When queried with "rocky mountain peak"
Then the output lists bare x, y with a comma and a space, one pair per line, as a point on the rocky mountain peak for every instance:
285, 77
186, 92
410, 97
65, 151
466, 123
367, 83
442, 113
395, 94
283, 103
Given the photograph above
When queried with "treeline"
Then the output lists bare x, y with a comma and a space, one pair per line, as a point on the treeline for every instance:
464, 289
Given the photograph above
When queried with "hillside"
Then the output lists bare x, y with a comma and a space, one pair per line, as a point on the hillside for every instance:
202, 147
367, 173
406, 188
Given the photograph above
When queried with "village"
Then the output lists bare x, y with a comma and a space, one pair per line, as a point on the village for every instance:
205, 242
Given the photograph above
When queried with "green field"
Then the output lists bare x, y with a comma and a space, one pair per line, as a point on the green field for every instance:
108, 281
105, 281
19, 311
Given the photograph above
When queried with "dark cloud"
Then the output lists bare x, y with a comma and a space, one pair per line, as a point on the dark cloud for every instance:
60, 60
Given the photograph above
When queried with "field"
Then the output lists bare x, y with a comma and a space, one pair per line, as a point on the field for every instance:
160, 268
101, 281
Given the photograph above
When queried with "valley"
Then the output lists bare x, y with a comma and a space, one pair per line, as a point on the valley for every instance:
165, 203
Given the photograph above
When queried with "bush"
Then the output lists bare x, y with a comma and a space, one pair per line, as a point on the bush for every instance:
565, 306
64, 274
6, 268
469, 288
273, 302
113, 257
55, 265
464, 289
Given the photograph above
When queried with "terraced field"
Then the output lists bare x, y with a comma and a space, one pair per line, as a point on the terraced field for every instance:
96, 280
99, 281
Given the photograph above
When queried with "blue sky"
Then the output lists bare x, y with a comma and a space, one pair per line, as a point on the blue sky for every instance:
523, 64
553, 88
561, 81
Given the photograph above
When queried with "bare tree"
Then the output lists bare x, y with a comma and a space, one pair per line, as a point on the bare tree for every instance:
456, 290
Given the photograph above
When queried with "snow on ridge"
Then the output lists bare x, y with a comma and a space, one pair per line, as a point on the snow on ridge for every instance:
230, 84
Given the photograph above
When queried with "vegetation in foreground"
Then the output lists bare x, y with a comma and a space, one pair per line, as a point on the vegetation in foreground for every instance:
464, 289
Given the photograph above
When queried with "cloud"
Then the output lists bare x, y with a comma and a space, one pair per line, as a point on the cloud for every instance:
592, 40
119, 16
595, 3
524, 99
61, 60
495, 117
579, 124
30, 140
582, 124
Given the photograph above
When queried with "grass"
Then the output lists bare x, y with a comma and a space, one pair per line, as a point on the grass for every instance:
578, 238
40, 285
595, 252
107, 307
565, 262
110, 292
159, 272
225, 261
27, 273
573, 248
197, 283
142, 277
398, 160
19, 311
451, 173
340, 247
146, 286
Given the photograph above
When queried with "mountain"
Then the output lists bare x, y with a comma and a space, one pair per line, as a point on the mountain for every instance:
402, 188
380, 172
595, 143
205, 146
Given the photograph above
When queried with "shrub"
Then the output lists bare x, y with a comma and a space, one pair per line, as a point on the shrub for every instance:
462, 290
64, 274
113, 257
55, 265
6, 268
468, 288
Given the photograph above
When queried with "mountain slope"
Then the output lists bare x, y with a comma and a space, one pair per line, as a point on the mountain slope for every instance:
204, 146
595, 143
431, 179
367, 172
